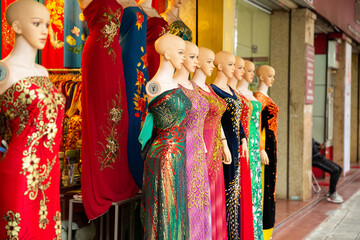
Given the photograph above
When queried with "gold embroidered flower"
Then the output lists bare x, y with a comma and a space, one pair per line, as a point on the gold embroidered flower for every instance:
43, 215
83, 37
112, 146
30, 163
50, 111
12, 227
57, 226
45, 96
109, 30
27, 96
33, 180
9, 113
115, 115
81, 17
59, 100
51, 130
70, 40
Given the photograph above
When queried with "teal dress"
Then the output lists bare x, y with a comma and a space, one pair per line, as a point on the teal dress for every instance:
164, 205
180, 29
255, 168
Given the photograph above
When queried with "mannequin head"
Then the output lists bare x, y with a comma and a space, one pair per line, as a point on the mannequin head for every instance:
191, 56
29, 19
172, 48
266, 75
239, 68
225, 62
249, 69
206, 60
175, 3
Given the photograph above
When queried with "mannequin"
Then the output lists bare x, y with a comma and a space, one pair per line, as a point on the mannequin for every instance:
247, 229
165, 207
132, 38
176, 25
255, 155
29, 136
217, 149
269, 114
146, 6
196, 168
105, 176
235, 136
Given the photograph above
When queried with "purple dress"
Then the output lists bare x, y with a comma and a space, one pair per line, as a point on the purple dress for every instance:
196, 167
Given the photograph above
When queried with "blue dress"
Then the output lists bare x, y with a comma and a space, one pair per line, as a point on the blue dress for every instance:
234, 132
132, 39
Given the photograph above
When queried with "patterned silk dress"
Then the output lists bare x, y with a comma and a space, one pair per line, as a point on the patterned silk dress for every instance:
180, 29
234, 132
269, 115
247, 228
156, 27
105, 177
132, 38
198, 188
255, 167
31, 117
214, 154
164, 205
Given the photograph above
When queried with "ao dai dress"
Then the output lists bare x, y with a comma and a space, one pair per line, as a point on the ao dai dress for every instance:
269, 115
164, 205
255, 167
214, 154
132, 38
234, 133
196, 167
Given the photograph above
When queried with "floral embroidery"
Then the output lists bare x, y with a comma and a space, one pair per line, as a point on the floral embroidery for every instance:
56, 10
112, 20
140, 97
48, 102
73, 47
8, 35
12, 227
112, 149
57, 219
140, 20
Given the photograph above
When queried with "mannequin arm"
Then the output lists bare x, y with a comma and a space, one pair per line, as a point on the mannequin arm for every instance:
226, 151
244, 149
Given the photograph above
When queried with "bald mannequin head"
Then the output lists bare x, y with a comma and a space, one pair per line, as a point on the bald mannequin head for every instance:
191, 56
206, 60
225, 62
172, 48
266, 74
249, 69
22, 9
239, 68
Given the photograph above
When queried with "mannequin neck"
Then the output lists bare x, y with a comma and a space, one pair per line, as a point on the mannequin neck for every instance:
221, 81
23, 53
182, 77
166, 69
128, 3
199, 79
232, 82
263, 88
242, 85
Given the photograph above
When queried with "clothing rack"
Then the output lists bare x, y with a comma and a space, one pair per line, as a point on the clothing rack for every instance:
64, 70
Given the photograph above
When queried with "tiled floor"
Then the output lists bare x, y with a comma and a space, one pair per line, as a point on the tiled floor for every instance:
296, 219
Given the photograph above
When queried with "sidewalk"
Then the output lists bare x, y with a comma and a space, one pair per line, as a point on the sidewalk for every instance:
299, 220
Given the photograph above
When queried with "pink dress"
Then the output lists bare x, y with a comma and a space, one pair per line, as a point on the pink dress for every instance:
212, 138
198, 190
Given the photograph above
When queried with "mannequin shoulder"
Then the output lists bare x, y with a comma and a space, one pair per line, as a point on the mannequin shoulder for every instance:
165, 16
84, 3
41, 70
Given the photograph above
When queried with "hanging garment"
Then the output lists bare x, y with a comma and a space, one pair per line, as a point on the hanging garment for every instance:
30, 170
156, 27
180, 29
7, 33
132, 38
105, 177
